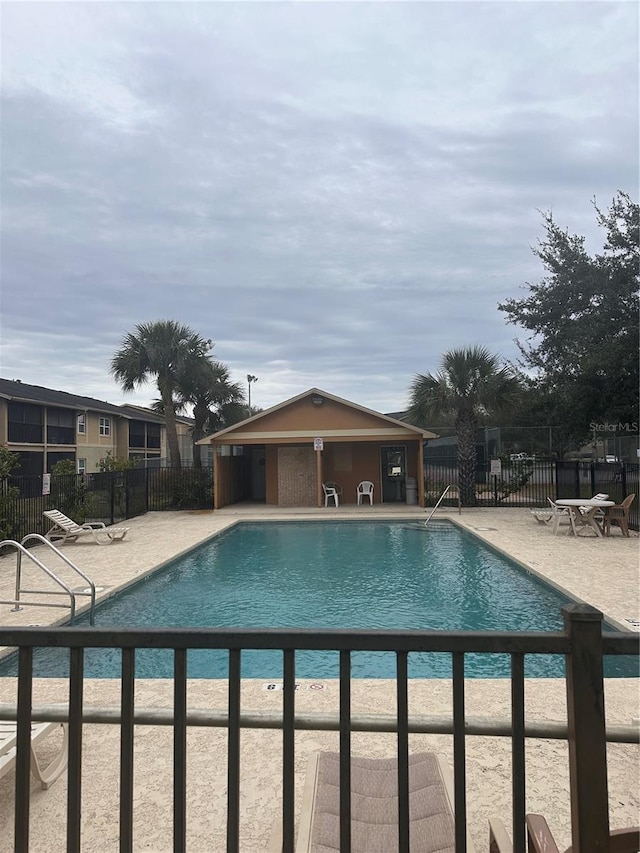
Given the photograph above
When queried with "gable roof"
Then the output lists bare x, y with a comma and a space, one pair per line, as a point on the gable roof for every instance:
14, 389
313, 392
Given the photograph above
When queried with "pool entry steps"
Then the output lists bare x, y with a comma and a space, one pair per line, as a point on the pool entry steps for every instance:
63, 587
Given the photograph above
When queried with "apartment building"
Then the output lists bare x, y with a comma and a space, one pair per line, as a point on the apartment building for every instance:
45, 426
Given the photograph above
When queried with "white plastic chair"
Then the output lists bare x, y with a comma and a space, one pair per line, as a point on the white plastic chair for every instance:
330, 492
365, 489
560, 514
65, 528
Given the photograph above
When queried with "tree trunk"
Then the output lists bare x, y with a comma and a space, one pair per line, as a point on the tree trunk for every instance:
200, 415
197, 455
466, 429
172, 433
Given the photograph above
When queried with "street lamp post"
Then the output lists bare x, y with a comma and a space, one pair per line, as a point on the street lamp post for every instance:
250, 379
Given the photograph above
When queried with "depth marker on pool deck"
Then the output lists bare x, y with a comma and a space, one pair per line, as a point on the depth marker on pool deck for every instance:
278, 685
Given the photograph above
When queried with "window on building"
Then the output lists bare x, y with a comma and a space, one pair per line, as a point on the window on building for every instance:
136, 434
60, 426
55, 456
82, 466
25, 423
153, 435
31, 464
142, 434
82, 424
105, 426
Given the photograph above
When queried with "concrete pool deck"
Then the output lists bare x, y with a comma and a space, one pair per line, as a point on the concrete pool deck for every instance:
603, 572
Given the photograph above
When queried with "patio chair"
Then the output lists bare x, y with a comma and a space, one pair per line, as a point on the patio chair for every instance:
330, 484
39, 731
560, 514
374, 806
599, 513
540, 839
329, 493
64, 528
365, 490
618, 514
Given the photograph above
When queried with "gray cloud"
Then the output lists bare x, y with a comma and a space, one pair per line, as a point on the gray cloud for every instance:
335, 193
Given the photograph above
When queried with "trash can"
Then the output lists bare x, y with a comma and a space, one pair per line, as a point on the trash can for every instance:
412, 491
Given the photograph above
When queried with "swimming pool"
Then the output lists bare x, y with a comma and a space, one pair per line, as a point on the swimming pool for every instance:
345, 574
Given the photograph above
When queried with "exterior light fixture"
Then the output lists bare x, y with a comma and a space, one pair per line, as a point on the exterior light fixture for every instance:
250, 379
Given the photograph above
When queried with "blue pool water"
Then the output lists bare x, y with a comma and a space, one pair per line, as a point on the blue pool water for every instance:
333, 575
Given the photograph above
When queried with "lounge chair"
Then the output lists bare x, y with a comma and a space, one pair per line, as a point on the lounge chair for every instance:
618, 514
330, 493
540, 839
599, 514
374, 806
39, 731
542, 516
65, 529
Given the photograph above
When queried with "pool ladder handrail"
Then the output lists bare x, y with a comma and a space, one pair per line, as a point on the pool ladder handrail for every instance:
65, 588
440, 499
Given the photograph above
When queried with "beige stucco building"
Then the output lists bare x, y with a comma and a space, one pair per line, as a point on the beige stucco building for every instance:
283, 455
46, 426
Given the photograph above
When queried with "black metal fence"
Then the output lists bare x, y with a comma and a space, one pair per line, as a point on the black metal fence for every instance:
582, 642
530, 483
111, 497
115, 496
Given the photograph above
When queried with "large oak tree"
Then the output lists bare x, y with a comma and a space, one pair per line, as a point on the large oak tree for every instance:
583, 322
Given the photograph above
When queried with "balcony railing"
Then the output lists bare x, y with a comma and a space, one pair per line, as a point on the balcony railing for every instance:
582, 643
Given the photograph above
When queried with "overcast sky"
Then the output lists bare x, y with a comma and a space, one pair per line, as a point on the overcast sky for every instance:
335, 193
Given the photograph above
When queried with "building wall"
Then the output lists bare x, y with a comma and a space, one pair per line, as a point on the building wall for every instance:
92, 447
297, 479
304, 415
290, 470
89, 445
88, 448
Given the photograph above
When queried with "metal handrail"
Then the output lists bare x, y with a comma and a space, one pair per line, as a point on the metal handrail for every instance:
19, 603
314, 721
440, 499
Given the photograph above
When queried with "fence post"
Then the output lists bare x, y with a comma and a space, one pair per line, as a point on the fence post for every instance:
586, 728
112, 496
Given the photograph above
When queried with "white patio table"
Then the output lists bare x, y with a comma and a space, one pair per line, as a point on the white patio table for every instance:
585, 519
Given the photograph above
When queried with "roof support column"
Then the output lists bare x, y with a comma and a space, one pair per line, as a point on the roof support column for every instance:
319, 477
216, 479
420, 476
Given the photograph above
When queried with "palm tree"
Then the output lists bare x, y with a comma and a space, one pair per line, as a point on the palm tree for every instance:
167, 351
470, 384
208, 388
